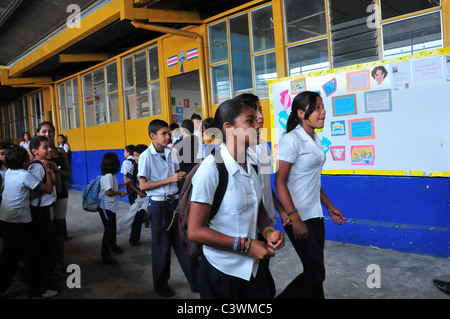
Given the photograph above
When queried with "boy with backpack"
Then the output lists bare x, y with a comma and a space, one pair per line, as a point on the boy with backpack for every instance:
138, 200
158, 178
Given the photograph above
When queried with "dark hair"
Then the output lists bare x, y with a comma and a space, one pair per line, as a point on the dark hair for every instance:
305, 101
130, 148
110, 163
44, 123
140, 148
173, 126
248, 99
208, 123
156, 125
195, 116
16, 157
4, 145
36, 141
188, 125
228, 111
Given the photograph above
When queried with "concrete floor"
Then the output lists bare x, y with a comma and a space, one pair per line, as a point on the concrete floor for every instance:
402, 275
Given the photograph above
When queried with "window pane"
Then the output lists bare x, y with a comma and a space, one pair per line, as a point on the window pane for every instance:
309, 22
89, 114
128, 78
265, 69
412, 35
218, 46
75, 90
87, 86
70, 117
62, 97
113, 106
262, 29
156, 98
76, 109
220, 83
68, 94
99, 97
63, 117
111, 77
130, 104
308, 57
241, 66
353, 40
140, 73
394, 8
153, 63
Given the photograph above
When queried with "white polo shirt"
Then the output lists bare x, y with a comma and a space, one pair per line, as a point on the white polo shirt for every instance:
38, 171
304, 181
154, 168
109, 181
237, 215
15, 207
263, 158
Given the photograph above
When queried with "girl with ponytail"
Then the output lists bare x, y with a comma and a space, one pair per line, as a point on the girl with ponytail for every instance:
298, 183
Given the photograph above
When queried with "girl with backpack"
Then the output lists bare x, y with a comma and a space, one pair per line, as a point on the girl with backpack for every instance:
231, 251
108, 185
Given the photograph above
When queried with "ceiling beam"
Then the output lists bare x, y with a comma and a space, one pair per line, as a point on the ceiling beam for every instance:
83, 57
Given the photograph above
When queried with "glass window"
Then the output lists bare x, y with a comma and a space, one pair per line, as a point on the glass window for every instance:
128, 83
155, 92
218, 45
262, 29
241, 66
312, 56
99, 96
412, 35
265, 69
111, 76
153, 65
89, 114
395, 8
114, 107
20, 117
69, 110
309, 22
7, 122
140, 74
37, 110
221, 83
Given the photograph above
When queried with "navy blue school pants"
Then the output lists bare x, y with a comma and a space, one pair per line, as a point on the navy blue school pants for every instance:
161, 213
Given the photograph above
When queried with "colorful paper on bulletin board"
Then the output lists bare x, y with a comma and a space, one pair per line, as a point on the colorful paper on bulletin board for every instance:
338, 153
361, 129
298, 86
344, 105
179, 110
330, 87
337, 128
363, 155
358, 81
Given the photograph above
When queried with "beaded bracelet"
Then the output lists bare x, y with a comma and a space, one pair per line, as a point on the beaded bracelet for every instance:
268, 227
247, 245
292, 214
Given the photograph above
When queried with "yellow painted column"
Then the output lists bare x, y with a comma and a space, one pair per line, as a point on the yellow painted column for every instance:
445, 5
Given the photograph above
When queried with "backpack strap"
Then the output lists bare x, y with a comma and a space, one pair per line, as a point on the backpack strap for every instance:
222, 187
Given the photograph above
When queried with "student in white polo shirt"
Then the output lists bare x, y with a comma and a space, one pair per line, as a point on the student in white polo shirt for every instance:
230, 246
298, 184
158, 177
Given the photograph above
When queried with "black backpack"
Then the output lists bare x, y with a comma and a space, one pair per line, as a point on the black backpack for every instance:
182, 210
132, 195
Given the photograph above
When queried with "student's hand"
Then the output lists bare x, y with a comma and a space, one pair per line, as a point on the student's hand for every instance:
49, 165
299, 229
336, 215
178, 176
275, 239
122, 193
261, 250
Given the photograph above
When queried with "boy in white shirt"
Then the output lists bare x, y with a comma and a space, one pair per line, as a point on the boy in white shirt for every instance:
15, 221
158, 178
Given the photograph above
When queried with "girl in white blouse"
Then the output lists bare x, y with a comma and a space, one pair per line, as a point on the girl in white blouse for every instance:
231, 250
298, 184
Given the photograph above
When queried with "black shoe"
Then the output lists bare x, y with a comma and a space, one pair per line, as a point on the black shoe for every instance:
109, 261
135, 243
165, 292
117, 249
442, 285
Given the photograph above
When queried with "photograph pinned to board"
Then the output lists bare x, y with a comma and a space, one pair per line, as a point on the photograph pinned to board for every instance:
358, 81
361, 129
338, 152
363, 154
344, 105
378, 101
401, 75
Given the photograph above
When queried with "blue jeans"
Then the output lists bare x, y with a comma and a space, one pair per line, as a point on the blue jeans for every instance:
161, 215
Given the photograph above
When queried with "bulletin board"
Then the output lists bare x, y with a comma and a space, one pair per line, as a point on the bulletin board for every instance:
387, 117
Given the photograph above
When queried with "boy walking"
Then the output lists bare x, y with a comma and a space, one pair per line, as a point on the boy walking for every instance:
158, 178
